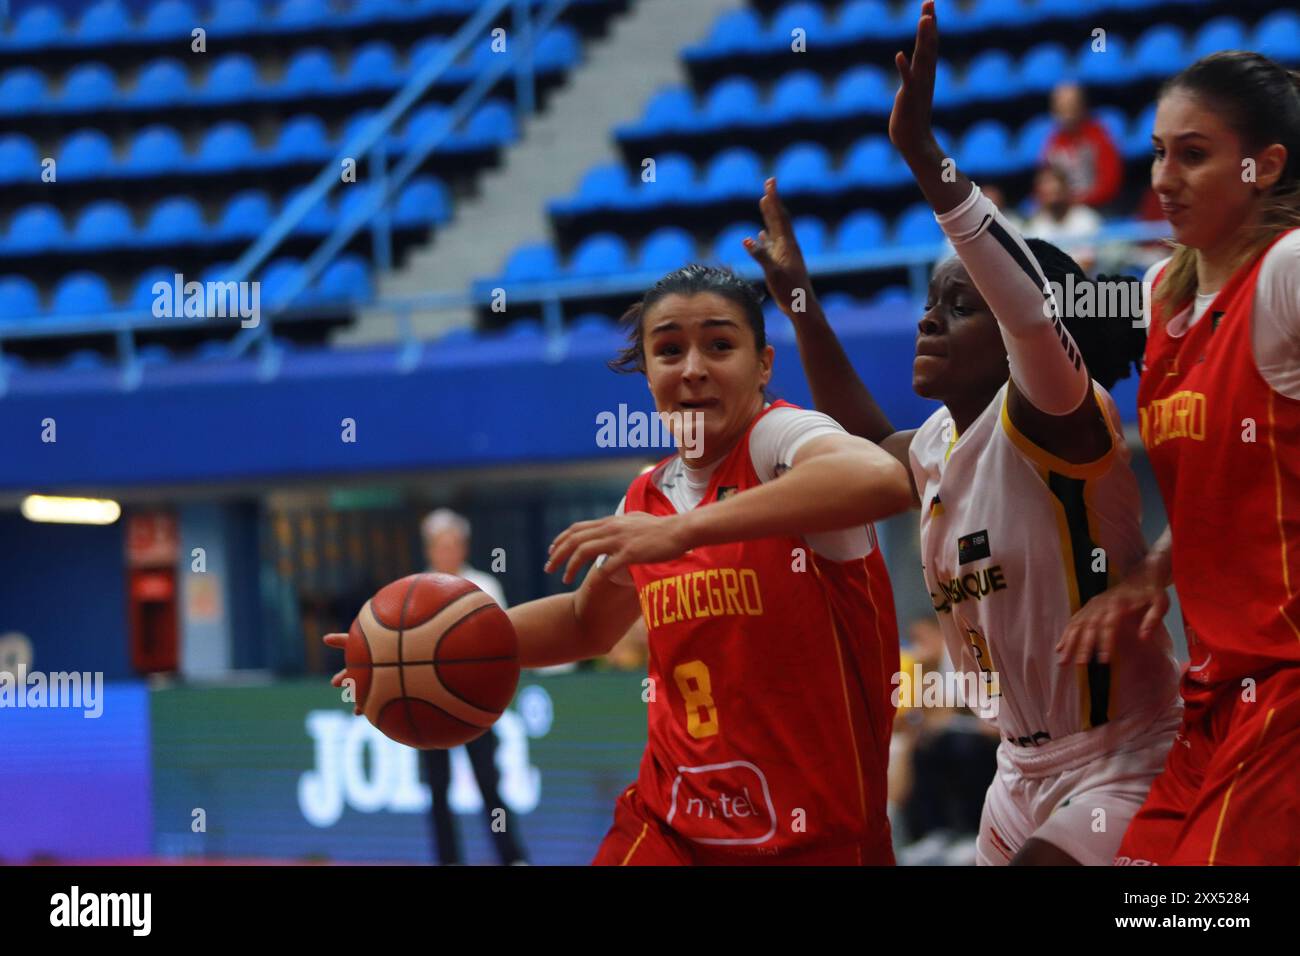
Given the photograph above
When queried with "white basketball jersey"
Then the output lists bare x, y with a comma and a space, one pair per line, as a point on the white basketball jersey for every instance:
1014, 540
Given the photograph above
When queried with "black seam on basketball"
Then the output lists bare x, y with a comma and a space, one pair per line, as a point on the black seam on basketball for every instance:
455, 660
489, 605
406, 701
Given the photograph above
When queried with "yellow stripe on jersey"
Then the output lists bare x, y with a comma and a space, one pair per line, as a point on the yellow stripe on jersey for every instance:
1281, 526
1045, 459
1223, 811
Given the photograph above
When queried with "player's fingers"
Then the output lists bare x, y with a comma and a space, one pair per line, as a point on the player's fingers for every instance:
336, 640
904, 69
585, 553
780, 215
758, 251
578, 527
337, 679
1154, 615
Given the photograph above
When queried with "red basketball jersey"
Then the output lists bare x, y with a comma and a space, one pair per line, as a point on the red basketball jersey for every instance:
771, 667
1224, 447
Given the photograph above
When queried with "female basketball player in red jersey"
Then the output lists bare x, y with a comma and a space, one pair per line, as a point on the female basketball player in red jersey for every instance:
1219, 411
771, 623
1028, 502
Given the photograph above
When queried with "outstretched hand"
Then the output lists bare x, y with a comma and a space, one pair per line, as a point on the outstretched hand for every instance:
634, 538
777, 250
909, 122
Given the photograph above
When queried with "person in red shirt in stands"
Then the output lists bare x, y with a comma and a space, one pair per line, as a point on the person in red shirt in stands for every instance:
1081, 147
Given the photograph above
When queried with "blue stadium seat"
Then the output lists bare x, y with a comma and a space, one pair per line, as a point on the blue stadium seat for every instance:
733, 101
160, 82
863, 89
591, 324
424, 123
231, 18
213, 350
493, 124
1043, 66
353, 198
142, 292
1221, 33
86, 154
873, 162
154, 353
34, 228
947, 91
347, 278
319, 218
666, 249
83, 360
103, 23
247, 214
309, 70
422, 200
276, 279
800, 15
1278, 36
19, 159
81, 293
87, 86
813, 236
1138, 141
379, 11
733, 32
674, 180
302, 137
301, 14
170, 18
217, 272
804, 167
797, 95
1109, 67
373, 66
601, 254
668, 110
102, 225
233, 77
22, 90
356, 125
424, 51
864, 19
991, 76
1159, 51
733, 173
227, 145
37, 27
1067, 9
176, 219
155, 149
729, 246
535, 262
558, 49
1000, 13
986, 150
860, 230
1032, 139
19, 298
1114, 121
916, 227
839, 304
602, 186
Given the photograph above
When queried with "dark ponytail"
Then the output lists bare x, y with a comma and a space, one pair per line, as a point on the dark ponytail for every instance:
1111, 346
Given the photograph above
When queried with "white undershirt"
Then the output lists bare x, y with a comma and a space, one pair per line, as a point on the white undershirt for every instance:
773, 443
1275, 319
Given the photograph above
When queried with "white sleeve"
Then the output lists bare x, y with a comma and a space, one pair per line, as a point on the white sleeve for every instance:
1276, 318
772, 446
1045, 363
622, 575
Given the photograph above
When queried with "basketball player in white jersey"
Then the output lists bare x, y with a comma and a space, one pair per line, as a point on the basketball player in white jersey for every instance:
1028, 504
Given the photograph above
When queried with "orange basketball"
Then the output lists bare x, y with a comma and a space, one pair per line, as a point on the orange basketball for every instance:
435, 661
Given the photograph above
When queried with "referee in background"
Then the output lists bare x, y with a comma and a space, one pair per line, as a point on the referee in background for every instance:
446, 549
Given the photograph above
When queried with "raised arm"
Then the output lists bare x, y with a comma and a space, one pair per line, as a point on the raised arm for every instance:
1048, 400
837, 389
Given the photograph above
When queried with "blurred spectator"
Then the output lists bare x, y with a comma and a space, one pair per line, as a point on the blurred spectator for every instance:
1059, 219
446, 548
1081, 147
999, 199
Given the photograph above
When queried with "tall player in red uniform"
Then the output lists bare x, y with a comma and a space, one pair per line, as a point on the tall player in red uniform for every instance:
771, 623
1219, 411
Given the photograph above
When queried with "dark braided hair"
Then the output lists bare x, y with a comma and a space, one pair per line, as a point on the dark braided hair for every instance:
693, 279
1111, 346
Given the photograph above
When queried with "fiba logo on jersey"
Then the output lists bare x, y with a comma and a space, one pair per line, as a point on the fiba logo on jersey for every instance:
624, 429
